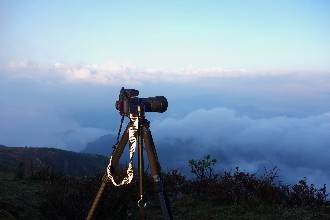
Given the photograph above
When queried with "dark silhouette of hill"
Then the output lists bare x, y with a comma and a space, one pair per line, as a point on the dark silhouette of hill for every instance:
101, 146
72, 163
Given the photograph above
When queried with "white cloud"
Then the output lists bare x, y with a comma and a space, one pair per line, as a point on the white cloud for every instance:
292, 144
112, 73
21, 64
252, 120
43, 126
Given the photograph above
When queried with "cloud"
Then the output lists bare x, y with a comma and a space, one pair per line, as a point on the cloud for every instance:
112, 73
43, 126
298, 146
243, 118
21, 64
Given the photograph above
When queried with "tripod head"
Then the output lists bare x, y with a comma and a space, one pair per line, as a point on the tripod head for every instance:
128, 103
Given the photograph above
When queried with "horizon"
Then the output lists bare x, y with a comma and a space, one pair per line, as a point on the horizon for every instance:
247, 81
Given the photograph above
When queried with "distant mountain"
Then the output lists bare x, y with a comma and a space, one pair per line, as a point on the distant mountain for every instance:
75, 164
101, 146
171, 152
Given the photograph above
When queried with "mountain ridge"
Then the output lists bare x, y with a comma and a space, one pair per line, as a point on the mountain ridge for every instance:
72, 163
101, 146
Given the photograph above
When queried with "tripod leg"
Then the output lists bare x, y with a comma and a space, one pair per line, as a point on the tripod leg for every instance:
155, 170
115, 159
97, 198
141, 202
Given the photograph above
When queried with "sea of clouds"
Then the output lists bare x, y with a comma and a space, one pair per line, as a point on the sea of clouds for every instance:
242, 118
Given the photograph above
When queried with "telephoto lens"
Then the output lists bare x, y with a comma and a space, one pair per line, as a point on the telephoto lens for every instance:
155, 104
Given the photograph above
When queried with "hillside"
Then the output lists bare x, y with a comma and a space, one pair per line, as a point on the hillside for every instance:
72, 163
101, 146
232, 195
20, 198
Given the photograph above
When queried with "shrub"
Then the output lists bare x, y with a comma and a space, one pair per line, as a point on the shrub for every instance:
203, 169
70, 198
175, 183
304, 195
244, 188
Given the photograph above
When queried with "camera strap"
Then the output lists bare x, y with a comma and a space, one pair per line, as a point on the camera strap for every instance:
132, 134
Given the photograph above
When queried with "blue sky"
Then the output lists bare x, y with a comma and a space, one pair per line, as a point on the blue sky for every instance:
248, 81
253, 35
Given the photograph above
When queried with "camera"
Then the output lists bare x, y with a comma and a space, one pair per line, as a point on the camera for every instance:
128, 102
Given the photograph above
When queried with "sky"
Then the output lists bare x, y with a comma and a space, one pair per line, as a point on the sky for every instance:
247, 81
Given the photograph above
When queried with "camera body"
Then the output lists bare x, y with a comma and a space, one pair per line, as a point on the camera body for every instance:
128, 103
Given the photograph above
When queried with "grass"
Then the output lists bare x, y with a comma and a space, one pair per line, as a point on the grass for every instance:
192, 208
20, 198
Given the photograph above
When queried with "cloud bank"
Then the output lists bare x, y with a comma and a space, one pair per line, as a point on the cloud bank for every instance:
112, 73
43, 127
242, 118
298, 146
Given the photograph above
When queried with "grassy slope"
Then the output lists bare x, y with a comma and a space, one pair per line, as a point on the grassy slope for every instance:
20, 198
191, 208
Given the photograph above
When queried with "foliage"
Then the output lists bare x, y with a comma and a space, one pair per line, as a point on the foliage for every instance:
244, 188
203, 169
227, 195
175, 183
309, 196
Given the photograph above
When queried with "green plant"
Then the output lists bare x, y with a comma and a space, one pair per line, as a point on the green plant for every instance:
203, 169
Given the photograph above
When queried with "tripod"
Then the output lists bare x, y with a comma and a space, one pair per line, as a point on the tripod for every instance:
144, 135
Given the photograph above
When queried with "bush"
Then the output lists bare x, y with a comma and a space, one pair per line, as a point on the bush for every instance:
245, 188
308, 196
175, 184
71, 198
203, 169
